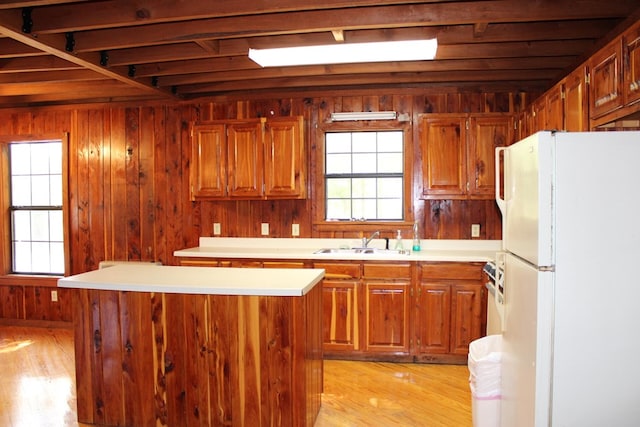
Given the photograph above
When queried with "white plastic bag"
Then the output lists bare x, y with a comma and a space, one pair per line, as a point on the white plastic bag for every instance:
484, 361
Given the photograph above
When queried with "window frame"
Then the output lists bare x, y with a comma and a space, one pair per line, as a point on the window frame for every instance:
319, 187
6, 273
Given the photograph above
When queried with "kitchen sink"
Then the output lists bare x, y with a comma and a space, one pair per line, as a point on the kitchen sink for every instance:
359, 251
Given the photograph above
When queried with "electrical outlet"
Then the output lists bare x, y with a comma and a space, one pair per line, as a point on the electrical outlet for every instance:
54, 296
295, 230
475, 230
264, 229
216, 228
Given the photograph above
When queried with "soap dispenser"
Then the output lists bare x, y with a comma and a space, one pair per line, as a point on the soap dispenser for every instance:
416, 238
398, 246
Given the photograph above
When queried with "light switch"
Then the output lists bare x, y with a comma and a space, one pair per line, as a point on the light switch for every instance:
265, 229
295, 230
216, 229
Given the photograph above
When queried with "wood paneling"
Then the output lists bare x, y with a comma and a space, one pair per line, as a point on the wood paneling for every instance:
129, 174
146, 359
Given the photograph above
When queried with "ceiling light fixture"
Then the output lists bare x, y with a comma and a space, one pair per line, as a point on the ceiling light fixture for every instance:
343, 53
363, 115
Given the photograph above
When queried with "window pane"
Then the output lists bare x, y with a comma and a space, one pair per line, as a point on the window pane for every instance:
339, 188
21, 190
40, 190
20, 159
364, 142
338, 143
56, 190
339, 209
57, 258
390, 208
364, 209
390, 187
338, 164
40, 159
55, 158
390, 142
40, 257
364, 187
22, 257
40, 226
56, 232
21, 225
364, 163
390, 163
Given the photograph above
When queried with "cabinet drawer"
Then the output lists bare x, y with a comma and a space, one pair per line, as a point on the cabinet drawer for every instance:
282, 264
339, 271
452, 270
387, 271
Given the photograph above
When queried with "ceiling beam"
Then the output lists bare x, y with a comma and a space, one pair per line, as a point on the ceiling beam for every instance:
55, 44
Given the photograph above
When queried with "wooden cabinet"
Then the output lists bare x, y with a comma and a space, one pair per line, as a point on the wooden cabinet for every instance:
458, 154
450, 308
576, 106
605, 85
387, 291
340, 307
248, 159
284, 162
631, 46
554, 108
392, 310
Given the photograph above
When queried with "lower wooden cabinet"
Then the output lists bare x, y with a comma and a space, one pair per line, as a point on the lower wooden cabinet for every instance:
340, 307
400, 311
387, 290
450, 308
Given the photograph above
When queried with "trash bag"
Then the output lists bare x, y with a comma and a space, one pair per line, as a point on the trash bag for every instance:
485, 363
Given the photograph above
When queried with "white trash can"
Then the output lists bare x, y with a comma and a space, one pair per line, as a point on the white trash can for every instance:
484, 361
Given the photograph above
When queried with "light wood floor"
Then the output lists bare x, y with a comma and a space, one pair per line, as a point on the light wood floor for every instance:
37, 387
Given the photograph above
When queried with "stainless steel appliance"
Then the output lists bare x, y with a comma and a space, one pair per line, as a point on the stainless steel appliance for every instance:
572, 289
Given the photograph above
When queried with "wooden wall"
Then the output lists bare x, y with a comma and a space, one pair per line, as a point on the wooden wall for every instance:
129, 180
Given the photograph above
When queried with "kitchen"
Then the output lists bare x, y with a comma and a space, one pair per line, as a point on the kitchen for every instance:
130, 193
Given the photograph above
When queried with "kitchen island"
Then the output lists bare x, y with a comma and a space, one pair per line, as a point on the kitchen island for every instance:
187, 346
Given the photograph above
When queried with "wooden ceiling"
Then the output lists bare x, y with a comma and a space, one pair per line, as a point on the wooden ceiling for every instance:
59, 52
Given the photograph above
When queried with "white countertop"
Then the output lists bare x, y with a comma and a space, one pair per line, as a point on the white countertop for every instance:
197, 280
293, 248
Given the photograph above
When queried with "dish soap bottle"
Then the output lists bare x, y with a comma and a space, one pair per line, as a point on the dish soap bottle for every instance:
416, 238
398, 246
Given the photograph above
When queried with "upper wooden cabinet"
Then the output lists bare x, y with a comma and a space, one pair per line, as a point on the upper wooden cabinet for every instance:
576, 106
248, 159
284, 161
605, 87
631, 71
458, 154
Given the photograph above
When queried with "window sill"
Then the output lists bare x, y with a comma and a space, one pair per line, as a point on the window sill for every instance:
361, 225
29, 280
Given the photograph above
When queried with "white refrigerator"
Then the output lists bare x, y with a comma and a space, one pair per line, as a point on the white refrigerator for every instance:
571, 235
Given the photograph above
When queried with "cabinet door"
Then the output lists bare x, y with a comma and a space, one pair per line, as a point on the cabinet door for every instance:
208, 164
576, 110
466, 316
387, 316
443, 147
284, 161
245, 159
632, 65
606, 80
433, 317
340, 315
555, 108
485, 135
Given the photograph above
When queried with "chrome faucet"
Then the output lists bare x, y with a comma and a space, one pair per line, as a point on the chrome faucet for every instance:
366, 241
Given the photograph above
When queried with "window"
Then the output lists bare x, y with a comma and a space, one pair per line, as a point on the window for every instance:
364, 175
37, 225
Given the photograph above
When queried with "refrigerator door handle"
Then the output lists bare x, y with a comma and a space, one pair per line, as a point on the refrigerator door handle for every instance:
499, 200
